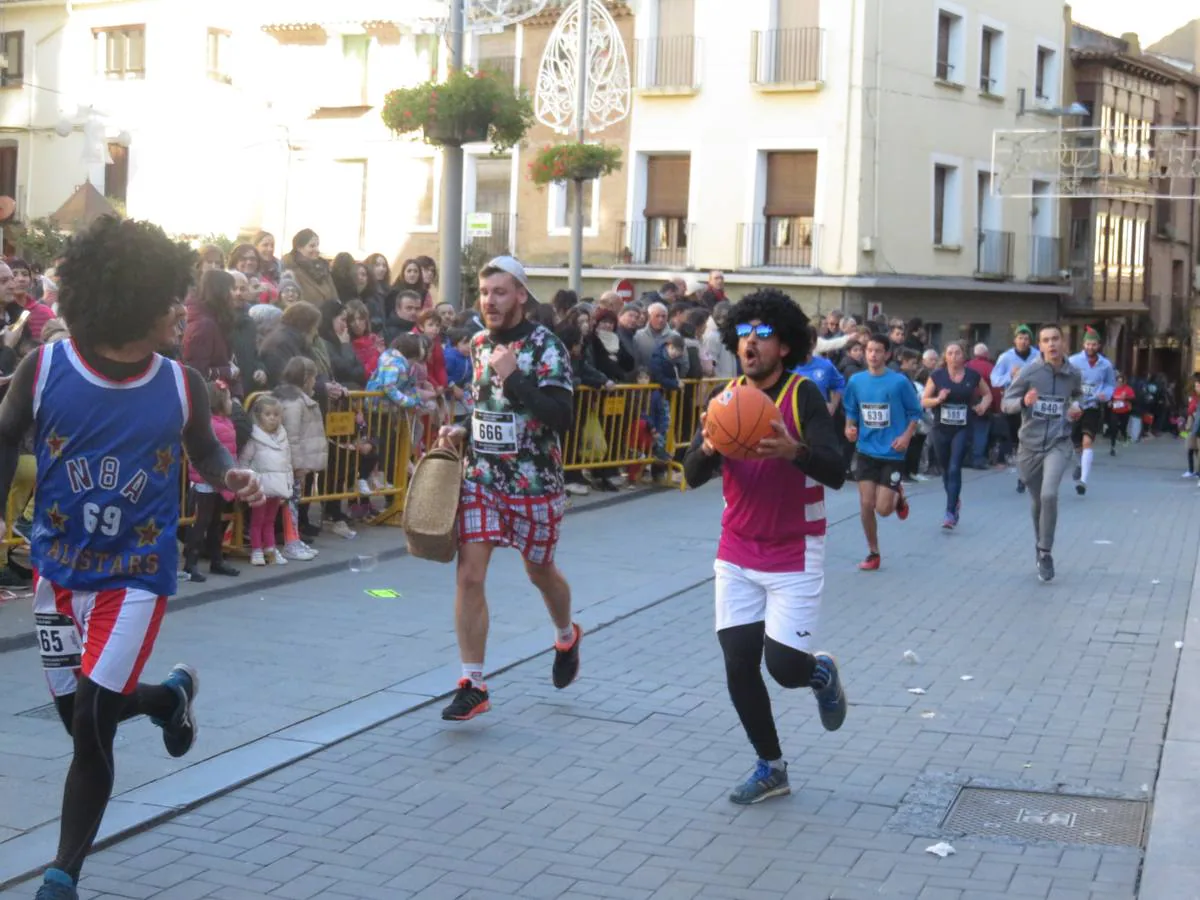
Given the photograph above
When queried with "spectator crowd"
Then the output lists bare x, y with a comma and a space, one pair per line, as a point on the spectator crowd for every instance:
280, 339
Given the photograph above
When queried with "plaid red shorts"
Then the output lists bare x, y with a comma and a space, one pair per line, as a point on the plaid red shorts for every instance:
527, 524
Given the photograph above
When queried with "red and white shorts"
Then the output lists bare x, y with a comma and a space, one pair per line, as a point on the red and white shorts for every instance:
527, 524
105, 635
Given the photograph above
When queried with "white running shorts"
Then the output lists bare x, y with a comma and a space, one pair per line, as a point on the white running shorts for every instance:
788, 602
105, 635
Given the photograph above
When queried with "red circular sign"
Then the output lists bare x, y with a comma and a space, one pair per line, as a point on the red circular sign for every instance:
624, 287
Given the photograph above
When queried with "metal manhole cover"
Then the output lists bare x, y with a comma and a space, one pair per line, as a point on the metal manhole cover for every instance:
1037, 816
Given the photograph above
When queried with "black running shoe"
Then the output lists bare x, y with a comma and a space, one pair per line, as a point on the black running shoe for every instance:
1045, 566
179, 732
1020, 486
1081, 489
827, 686
566, 660
469, 701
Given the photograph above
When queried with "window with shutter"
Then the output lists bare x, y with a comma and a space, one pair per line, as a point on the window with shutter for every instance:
945, 22
667, 182
14, 51
8, 172
791, 183
116, 173
791, 14
121, 51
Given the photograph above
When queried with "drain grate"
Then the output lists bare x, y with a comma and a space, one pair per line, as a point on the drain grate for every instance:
1037, 816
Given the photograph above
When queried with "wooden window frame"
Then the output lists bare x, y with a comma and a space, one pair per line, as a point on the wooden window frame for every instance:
125, 71
218, 72
8, 77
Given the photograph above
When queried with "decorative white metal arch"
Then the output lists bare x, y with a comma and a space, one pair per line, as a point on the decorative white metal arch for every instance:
606, 68
499, 13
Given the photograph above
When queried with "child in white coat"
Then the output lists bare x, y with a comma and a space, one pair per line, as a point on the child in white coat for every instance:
269, 455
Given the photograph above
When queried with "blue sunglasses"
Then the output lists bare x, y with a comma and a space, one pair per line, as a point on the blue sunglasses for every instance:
762, 332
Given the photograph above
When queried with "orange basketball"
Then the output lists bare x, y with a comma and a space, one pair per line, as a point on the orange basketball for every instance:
738, 418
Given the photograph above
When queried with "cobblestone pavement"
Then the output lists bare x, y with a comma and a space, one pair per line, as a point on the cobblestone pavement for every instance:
617, 786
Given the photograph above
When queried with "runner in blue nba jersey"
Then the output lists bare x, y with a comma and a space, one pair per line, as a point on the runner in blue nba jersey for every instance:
882, 412
110, 419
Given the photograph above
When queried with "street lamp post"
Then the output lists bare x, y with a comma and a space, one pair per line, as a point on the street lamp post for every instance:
450, 268
581, 98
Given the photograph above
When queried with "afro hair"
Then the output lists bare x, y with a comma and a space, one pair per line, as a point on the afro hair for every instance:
119, 277
775, 308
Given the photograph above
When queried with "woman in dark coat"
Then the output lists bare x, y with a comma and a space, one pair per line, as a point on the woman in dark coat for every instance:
209, 327
345, 366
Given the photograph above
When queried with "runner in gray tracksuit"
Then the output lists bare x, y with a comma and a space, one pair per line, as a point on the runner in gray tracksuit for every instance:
1046, 393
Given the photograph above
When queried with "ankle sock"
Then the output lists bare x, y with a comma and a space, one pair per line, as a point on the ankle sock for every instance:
777, 764
58, 876
473, 672
565, 636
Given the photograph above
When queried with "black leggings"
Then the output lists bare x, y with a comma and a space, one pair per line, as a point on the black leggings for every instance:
91, 716
1118, 426
208, 531
744, 647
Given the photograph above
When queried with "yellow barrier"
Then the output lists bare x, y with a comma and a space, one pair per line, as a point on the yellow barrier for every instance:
608, 428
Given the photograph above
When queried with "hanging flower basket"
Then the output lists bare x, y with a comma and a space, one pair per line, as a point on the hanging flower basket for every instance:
468, 106
574, 162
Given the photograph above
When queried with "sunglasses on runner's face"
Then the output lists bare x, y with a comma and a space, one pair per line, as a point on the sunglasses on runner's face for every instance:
762, 332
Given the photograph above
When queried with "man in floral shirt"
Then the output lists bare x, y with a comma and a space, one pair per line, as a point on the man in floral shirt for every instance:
513, 484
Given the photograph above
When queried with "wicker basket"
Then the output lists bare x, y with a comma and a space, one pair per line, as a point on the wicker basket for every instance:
430, 518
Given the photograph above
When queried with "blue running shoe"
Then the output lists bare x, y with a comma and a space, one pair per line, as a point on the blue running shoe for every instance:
179, 733
763, 784
57, 886
827, 686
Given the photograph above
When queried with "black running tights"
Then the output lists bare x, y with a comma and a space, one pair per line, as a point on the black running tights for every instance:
91, 716
745, 646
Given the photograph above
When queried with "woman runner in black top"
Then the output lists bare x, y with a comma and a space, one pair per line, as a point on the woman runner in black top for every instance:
954, 393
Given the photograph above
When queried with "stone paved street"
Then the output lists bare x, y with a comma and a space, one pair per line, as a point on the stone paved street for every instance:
617, 786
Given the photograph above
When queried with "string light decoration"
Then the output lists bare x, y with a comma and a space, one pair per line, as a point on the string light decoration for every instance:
607, 68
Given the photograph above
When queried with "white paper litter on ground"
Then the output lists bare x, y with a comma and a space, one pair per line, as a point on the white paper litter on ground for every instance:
928, 715
1102, 542
911, 657
941, 849
966, 678
1155, 581
1027, 766
1179, 645
916, 690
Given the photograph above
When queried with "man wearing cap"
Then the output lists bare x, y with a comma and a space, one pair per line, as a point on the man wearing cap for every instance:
513, 489
1009, 366
1099, 382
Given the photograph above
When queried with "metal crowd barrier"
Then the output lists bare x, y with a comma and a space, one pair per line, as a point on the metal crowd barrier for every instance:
610, 429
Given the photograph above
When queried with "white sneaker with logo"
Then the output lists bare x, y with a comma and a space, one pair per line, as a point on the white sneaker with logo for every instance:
257, 558
297, 550
342, 530
277, 557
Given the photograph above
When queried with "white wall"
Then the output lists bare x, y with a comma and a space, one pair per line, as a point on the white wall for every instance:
729, 123
923, 122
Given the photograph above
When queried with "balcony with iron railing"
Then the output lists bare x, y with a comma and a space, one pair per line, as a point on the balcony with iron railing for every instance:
787, 59
658, 242
994, 255
779, 242
502, 237
1045, 258
667, 65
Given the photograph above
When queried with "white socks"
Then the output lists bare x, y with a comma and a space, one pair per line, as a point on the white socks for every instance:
1085, 463
473, 672
564, 636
